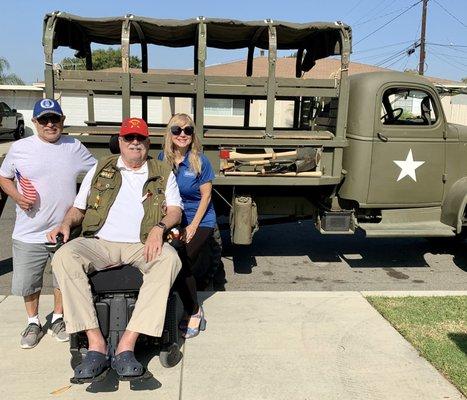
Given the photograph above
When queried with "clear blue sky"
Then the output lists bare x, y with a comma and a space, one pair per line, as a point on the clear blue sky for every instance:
446, 29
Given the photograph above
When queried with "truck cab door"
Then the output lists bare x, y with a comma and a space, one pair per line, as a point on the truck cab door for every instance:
7, 118
408, 155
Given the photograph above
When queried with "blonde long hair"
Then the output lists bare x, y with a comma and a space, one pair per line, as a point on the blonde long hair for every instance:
195, 146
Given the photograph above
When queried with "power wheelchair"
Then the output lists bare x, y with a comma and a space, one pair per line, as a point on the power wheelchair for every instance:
115, 292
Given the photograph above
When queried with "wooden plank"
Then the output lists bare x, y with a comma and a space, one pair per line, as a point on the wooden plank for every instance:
104, 130
97, 87
89, 75
308, 83
278, 134
218, 133
310, 136
322, 121
162, 88
236, 80
316, 174
229, 91
163, 78
306, 92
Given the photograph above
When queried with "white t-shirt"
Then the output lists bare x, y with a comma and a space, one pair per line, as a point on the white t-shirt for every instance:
123, 222
52, 169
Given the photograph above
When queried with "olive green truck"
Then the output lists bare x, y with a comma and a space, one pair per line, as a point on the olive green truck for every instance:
371, 151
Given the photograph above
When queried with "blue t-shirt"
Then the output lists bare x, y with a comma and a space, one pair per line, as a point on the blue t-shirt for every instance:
188, 184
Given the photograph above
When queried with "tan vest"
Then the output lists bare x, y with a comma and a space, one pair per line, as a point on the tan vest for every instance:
105, 185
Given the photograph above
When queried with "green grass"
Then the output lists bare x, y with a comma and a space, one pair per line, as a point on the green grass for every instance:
436, 327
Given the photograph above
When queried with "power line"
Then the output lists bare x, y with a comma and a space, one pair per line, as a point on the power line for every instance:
353, 8
379, 17
446, 61
408, 51
379, 55
453, 56
390, 58
448, 12
388, 22
446, 45
369, 12
450, 57
382, 47
395, 62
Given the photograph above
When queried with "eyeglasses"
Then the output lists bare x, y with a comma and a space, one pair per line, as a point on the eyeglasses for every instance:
177, 130
131, 137
53, 118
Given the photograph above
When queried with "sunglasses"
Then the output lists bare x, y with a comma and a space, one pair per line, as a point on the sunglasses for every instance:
53, 118
177, 130
131, 137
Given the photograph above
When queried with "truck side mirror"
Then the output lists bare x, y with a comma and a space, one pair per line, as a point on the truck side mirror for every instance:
13, 110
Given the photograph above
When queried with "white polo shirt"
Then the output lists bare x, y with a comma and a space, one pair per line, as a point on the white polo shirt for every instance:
123, 222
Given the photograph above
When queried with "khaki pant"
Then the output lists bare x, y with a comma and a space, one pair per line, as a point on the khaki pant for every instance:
72, 262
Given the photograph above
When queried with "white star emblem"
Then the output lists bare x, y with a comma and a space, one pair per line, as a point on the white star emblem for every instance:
408, 167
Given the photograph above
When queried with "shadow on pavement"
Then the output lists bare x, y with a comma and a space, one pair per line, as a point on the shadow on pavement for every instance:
302, 239
6, 266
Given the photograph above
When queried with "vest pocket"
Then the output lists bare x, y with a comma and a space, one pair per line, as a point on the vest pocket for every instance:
91, 221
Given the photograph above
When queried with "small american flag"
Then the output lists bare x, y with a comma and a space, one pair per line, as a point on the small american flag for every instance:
27, 188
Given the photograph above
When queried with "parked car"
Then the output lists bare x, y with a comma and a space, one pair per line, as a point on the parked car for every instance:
11, 121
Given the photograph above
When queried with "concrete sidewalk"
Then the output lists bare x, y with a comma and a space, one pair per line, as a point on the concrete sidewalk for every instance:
258, 345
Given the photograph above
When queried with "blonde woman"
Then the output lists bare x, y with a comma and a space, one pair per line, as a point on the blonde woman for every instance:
194, 175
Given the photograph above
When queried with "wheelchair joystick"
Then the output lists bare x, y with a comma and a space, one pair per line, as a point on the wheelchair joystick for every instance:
53, 247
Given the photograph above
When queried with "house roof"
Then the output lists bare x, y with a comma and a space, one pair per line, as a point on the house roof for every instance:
285, 67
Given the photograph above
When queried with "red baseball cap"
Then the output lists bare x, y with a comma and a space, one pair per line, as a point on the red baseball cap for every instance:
134, 126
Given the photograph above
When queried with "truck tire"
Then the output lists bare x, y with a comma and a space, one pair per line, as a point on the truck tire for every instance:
19, 132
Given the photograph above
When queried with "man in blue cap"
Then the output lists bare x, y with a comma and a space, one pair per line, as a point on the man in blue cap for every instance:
39, 173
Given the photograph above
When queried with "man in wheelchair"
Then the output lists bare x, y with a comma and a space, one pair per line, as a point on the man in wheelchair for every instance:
125, 204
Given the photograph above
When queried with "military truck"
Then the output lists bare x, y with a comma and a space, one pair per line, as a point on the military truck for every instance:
370, 151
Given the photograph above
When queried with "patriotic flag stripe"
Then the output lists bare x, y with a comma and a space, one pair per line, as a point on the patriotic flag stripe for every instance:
27, 188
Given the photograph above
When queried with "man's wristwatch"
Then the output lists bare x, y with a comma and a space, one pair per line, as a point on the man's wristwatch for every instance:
162, 226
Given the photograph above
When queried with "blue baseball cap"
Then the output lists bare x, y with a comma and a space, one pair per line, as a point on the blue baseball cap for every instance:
46, 106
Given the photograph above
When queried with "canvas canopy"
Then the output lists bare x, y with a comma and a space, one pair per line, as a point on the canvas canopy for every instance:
78, 33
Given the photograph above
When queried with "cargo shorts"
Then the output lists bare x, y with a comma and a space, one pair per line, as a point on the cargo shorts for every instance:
29, 261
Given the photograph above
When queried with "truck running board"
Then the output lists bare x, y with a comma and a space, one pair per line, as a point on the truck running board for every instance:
407, 229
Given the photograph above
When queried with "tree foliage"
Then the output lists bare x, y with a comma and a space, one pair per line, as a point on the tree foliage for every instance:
5, 77
101, 59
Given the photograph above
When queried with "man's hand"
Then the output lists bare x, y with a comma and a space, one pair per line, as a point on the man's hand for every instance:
63, 229
153, 245
23, 203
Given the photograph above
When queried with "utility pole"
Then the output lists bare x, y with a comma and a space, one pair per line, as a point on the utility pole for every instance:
421, 65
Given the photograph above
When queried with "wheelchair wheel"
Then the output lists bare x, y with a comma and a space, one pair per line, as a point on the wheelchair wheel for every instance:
170, 356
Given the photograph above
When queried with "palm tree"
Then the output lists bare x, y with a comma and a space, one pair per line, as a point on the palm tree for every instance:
5, 78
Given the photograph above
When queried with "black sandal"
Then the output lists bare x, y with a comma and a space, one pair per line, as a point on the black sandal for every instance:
94, 366
127, 366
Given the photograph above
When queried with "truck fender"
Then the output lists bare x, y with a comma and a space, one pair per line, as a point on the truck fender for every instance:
452, 209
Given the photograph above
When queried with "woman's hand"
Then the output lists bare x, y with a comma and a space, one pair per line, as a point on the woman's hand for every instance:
190, 231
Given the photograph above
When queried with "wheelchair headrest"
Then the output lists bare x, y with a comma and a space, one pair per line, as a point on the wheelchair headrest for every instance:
113, 144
